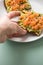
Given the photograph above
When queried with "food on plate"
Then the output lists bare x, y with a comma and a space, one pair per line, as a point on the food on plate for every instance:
15, 5
29, 20
32, 22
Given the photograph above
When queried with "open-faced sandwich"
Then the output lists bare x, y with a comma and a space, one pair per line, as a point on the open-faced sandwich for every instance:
15, 5
32, 22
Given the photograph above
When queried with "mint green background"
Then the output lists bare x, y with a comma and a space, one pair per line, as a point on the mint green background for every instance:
13, 53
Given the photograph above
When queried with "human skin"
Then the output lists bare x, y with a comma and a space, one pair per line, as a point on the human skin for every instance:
8, 27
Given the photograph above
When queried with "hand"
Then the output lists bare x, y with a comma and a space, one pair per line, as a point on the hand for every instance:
10, 28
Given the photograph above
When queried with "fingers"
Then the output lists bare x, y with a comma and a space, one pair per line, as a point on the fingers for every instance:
16, 30
21, 31
13, 14
18, 34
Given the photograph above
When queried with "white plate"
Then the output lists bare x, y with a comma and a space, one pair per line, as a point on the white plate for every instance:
37, 5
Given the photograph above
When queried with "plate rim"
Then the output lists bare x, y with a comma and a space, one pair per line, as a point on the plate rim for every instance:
26, 41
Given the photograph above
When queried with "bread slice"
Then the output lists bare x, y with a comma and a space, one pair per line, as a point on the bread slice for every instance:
15, 5
32, 22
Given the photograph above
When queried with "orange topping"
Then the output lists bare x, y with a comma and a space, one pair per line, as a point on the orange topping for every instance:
15, 7
33, 20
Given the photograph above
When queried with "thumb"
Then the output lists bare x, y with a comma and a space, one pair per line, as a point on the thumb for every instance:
16, 30
21, 31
